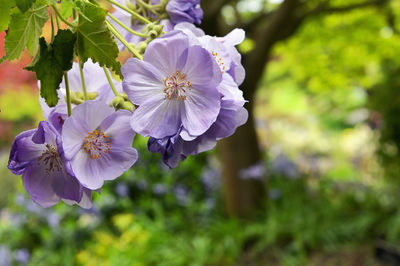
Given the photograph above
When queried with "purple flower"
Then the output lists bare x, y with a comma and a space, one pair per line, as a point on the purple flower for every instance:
98, 143
5, 255
184, 11
222, 48
232, 115
255, 171
22, 256
175, 87
95, 82
38, 155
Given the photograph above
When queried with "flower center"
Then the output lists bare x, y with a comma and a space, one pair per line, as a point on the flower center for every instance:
51, 159
219, 61
176, 86
96, 144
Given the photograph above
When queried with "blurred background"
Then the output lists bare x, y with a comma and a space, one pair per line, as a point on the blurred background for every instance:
313, 178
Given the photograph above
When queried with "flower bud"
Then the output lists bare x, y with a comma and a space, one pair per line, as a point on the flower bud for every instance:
141, 47
117, 102
128, 106
153, 34
92, 95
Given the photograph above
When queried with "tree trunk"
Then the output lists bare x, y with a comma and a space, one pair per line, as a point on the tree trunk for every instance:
243, 196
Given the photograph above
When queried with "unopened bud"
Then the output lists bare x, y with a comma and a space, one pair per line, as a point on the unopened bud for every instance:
153, 34
117, 102
128, 106
141, 47
92, 95
158, 28
123, 94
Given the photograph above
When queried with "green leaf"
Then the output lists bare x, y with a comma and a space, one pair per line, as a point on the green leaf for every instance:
53, 60
24, 5
24, 31
67, 8
94, 40
63, 46
5, 7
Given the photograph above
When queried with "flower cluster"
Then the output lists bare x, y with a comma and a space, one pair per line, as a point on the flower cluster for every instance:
182, 93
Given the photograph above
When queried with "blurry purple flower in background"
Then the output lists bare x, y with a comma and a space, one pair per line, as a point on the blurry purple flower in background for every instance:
274, 193
159, 189
122, 190
284, 166
98, 143
22, 256
184, 11
5, 256
211, 179
256, 171
142, 184
38, 155
182, 195
53, 220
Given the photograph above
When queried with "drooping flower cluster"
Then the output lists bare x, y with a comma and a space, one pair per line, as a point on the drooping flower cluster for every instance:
183, 94
186, 89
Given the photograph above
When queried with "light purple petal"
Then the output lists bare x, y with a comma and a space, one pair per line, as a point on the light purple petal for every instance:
38, 183
200, 68
157, 118
230, 90
189, 29
142, 81
233, 38
118, 128
218, 50
167, 53
66, 186
24, 146
91, 173
201, 110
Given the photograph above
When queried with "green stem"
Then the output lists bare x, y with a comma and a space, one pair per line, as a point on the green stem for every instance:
58, 22
110, 81
62, 18
68, 93
145, 5
52, 25
127, 45
126, 27
83, 80
133, 13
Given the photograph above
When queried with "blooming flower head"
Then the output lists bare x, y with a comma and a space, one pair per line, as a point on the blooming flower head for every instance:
97, 142
175, 88
184, 11
232, 115
38, 155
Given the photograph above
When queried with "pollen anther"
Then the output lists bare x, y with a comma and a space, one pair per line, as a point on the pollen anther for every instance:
96, 144
176, 86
